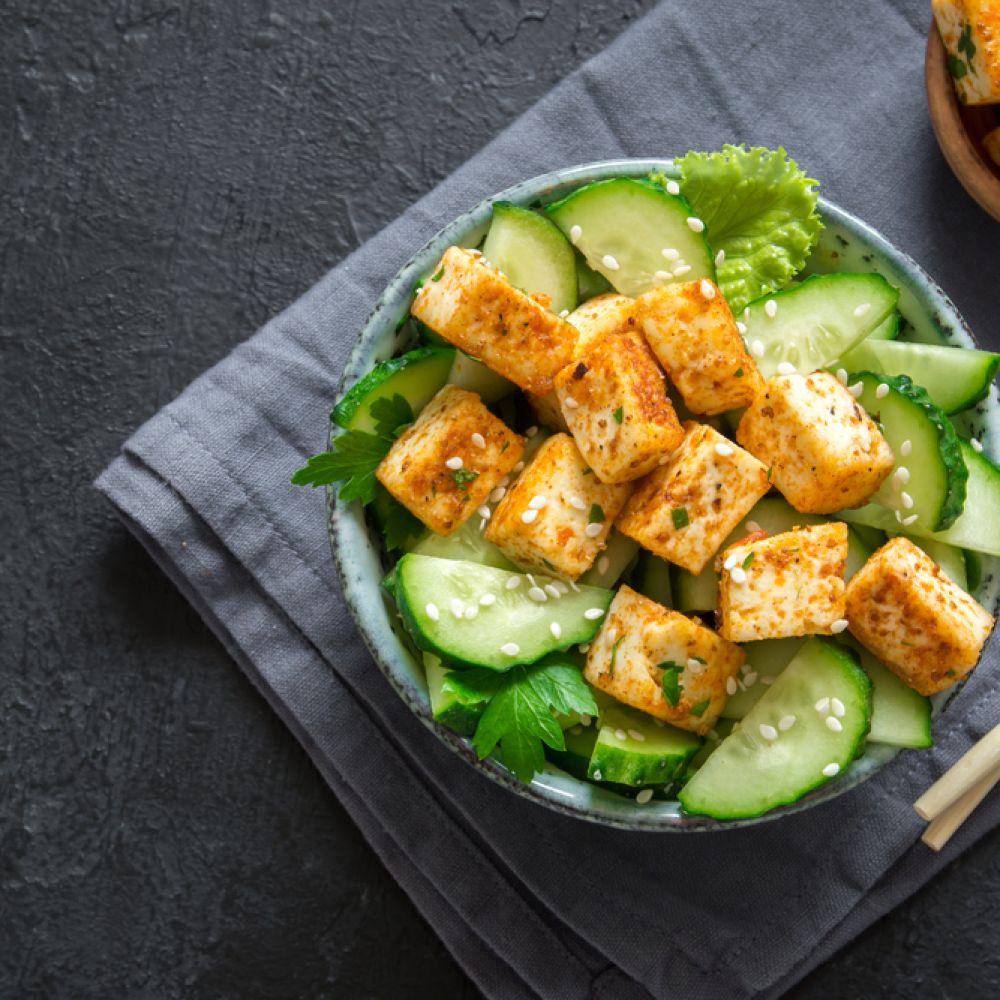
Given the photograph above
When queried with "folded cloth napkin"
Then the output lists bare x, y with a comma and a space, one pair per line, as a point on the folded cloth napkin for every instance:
529, 901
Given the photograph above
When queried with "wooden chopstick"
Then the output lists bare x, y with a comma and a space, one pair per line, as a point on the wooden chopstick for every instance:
939, 831
967, 773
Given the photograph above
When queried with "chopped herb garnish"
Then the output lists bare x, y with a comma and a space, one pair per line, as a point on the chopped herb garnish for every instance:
949, 673
738, 373
671, 682
749, 559
699, 710
679, 516
596, 514
463, 477
588, 472
770, 469
619, 414
438, 276
614, 656
506, 445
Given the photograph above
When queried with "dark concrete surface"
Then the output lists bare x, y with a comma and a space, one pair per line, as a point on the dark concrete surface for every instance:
171, 174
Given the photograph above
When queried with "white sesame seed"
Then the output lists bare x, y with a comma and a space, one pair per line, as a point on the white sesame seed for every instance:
612, 634
484, 512
584, 647
513, 583
723, 449
482, 525
592, 614
432, 612
593, 530
610, 262
478, 440
771, 308
670, 254
742, 327
695, 666
531, 580
471, 611
767, 679
553, 591
730, 563
517, 468
832, 769
753, 526
620, 734
560, 586
738, 574
537, 502
563, 313
662, 275
529, 516
977, 445
457, 607
757, 348
899, 516
842, 376
681, 270
577, 502
838, 626
837, 707
834, 725
644, 796
822, 705
768, 732
510, 649
881, 390
860, 310
603, 564
497, 495
906, 500
454, 463
570, 403
719, 258
673, 188
786, 368
537, 594
504, 482
597, 776
746, 668
637, 736
487, 600
856, 389
786, 723
695, 225
902, 475
907, 521
707, 290
906, 447
731, 686
556, 629
573, 586
575, 232
585, 720
750, 679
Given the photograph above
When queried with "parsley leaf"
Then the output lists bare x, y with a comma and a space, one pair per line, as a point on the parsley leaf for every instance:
679, 516
699, 710
619, 414
391, 415
438, 276
399, 527
671, 681
738, 373
614, 656
463, 477
596, 514
749, 559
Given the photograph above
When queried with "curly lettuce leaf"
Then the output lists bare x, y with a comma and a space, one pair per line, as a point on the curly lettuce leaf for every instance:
760, 208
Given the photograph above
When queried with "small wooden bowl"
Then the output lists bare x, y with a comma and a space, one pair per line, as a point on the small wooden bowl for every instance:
960, 129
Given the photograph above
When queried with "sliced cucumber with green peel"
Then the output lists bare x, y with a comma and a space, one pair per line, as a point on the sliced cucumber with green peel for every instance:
888, 329
761, 766
631, 749
766, 659
712, 742
611, 564
973, 570
588, 282
460, 717
871, 538
651, 578
442, 605
936, 485
635, 234
813, 325
468, 373
533, 253
467, 544
955, 377
977, 526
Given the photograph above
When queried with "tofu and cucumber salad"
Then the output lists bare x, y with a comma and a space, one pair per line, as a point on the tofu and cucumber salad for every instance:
664, 509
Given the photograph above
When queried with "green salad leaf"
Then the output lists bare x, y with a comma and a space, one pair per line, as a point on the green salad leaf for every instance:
759, 208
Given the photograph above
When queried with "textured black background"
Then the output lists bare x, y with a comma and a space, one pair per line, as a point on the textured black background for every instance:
171, 174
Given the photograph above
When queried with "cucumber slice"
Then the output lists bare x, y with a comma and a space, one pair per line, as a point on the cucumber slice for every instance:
888, 329
468, 373
533, 254
712, 742
871, 538
466, 545
623, 225
513, 629
750, 774
611, 564
632, 750
588, 282
955, 377
973, 570
652, 579
458, 716
937, 481
766, 659
575, 759
975, 529
818, 321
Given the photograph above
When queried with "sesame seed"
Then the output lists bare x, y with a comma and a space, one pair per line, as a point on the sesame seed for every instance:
457, 607
768, 732
564, 313
662, 275
584, 647
753, 526
529, 516
730, 563
822, 705
673, 188
570, 403
478, 440
644, 796
504, 482
907, 521
786, 368
531, 431
510, 649
719, 258
906, 500
537, 594
695, 225
838, 626
592, 614
906, 447
637, 736
723, 449
771, 308
597, 776
482, 525
832, 769
577, 502
484, 512
742, 327
513, 583
537, 502
585, 720
837, 707
531, 580
556, 629
731, 686
750, 679
834, 725
432, 612
574, 586
553, 591
603, 564
977, 445
620, 734
517, 468
856, 389
670, 254
575, 232
757, 348
471, 611
738, 574
860, 310
707, 290
498, 494
593, 530
902, 475
899, 516
610, 263
842, 376
560, 586
681, 270
487, 600
695, 666
881, 390
767, 679
746, 668
786, 723
454, 463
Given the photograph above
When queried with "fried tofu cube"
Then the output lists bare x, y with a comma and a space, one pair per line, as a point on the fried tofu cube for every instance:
970, 30
548, 411
919, 623
684, 510
557, 515
614, 401
824, 451
693, 334
784, 585
448, 461
662, 662
600, 317
475, 308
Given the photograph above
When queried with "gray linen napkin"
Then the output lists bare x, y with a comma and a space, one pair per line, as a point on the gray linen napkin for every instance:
530, 902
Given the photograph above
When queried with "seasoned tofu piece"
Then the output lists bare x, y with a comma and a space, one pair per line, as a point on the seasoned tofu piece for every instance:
683, 510
919, 623
614, 401
824, 451
600, 317
693, 334
548, 411
448, 462
557, 515
662, 662
473, 307
970, 30
784, 585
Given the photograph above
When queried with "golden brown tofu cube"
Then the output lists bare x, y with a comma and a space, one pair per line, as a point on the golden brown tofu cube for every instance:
970, 30
684, 510
557, 515
614, 401
446, 464
693, 334
600, 317
784, 585
919, 623
642, 643
825, 453
473, 307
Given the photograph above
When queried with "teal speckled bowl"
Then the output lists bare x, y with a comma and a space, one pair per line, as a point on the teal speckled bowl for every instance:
847, 244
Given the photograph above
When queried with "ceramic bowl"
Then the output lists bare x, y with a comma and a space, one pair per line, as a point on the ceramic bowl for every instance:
846, 244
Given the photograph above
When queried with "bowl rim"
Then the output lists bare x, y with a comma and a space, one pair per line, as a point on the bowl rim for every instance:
346, 522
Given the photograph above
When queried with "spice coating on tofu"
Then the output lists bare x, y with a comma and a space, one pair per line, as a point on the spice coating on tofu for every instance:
662, 662
601, 317
684, 510
919, 623
473, 307
693, 334
790, 584
970, 31
825, 453
557, 515
614, 401
446, 464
